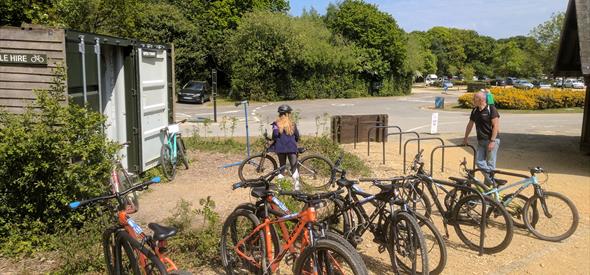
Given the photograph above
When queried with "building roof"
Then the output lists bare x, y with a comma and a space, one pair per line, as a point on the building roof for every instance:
573, 57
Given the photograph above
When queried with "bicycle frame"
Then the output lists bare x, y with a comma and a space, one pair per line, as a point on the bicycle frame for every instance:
170, 139
305, 219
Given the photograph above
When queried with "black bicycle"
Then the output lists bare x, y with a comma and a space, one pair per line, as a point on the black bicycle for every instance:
314, 170
480, 222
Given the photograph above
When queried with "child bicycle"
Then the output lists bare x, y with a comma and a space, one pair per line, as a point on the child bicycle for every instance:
550, 216
173, 150
248, 245
126, 247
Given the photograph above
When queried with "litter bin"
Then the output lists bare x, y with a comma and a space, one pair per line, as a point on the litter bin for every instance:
439, 102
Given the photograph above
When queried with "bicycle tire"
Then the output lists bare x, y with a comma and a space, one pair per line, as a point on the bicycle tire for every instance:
128, 182
336, 248
122, 240
168, 166
181, 151
516, 209
435, 245
315, 171
493, 208
421, 200
339, 220
532, 227
108, 246
258, 171
411, 244
258, 246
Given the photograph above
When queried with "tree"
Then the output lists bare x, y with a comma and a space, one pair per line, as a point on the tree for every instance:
16, 12
448, 48
111, 17
509, 60
547, 35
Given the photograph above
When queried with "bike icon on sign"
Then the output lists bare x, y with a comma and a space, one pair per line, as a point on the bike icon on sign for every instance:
37, 59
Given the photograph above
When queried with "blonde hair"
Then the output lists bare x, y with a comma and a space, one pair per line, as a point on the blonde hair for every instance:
285, 124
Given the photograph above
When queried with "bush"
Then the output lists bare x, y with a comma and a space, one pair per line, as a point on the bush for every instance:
475, 86
533, 99
52, 154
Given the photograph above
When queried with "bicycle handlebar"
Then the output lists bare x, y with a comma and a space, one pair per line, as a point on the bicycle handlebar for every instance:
381, 179
261, 181
76, 204
298, 195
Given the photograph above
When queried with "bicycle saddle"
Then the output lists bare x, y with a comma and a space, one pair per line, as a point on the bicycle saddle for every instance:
162, 232
260, 192
301, 150
346, 183
458, 180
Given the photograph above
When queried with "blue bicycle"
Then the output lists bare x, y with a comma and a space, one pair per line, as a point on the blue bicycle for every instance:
173, 150
548, 215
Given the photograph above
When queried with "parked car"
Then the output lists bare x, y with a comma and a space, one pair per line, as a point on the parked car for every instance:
510, 80
541, 84
497, 82
573, 83
195, 91
523, 84
430, 79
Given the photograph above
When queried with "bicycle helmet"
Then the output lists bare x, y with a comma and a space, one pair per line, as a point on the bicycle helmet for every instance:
285, 109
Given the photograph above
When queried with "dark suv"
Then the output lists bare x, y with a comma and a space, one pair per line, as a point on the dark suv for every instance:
195, 91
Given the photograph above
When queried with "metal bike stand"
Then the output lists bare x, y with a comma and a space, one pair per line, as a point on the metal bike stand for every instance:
245, 103
400, 141
378, 127
421, 139
356, 128
451, 146
484, 218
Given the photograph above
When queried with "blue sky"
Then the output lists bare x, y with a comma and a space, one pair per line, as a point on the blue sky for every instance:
495, 18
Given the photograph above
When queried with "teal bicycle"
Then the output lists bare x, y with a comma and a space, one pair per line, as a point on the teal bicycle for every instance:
173, 150
549, 216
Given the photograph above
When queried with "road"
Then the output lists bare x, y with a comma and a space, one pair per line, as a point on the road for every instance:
411, 113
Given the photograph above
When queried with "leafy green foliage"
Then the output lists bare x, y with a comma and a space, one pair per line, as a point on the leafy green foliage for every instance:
51, 155
547, 35
195, 246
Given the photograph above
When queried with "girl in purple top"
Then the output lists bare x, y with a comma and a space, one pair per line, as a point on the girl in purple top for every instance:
285, 136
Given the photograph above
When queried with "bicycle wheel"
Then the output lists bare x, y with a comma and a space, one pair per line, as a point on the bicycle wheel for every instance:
406, 245
181, 151
435, 246
553, 217
417, 200
133, 250
329, 257
125, 182
335, 217
315, 171
166, 162
255, 166
467, 220
108, 247
236, 227
516, 208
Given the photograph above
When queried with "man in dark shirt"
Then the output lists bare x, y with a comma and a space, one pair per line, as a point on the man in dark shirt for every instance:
487, 124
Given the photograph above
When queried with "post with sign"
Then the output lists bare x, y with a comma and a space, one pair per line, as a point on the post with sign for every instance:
434, 124
214, 92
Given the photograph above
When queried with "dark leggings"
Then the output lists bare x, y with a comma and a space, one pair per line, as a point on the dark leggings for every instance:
292, 160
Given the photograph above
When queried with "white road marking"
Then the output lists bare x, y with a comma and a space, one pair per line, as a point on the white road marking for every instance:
226, 112
342, 104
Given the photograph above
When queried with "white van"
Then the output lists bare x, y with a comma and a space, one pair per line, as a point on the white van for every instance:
430, 79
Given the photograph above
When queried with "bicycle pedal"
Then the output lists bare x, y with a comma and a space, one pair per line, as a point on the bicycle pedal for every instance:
381, 248
357, 239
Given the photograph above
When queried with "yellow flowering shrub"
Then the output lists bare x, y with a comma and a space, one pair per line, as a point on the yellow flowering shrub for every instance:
533, 99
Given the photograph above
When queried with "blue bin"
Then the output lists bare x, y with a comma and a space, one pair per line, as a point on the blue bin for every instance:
439, 102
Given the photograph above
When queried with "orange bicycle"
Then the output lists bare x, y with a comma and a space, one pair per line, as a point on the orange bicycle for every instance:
127, 249
248, 245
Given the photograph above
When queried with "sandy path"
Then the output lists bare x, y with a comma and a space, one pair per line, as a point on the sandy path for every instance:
569, 174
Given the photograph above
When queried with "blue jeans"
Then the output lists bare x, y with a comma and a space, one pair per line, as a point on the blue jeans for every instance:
486, 160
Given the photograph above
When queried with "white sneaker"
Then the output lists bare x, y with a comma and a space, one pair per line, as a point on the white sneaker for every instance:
296, 186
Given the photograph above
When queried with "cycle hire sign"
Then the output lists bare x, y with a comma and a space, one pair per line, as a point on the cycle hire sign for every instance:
23, 58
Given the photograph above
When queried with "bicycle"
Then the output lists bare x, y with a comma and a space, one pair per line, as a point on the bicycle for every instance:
126, 247
120, 179
256, 249
397, 230
314, 170
525, 210
477, 219
173, 150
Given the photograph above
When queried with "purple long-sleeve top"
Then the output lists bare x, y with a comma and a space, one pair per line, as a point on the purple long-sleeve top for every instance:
284, 143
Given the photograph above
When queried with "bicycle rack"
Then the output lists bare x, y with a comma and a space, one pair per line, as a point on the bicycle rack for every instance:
426, 138
484, 218
400, 141
450, 146
378, 127
356, 128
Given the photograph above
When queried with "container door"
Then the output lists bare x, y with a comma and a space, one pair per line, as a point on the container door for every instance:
153, 96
